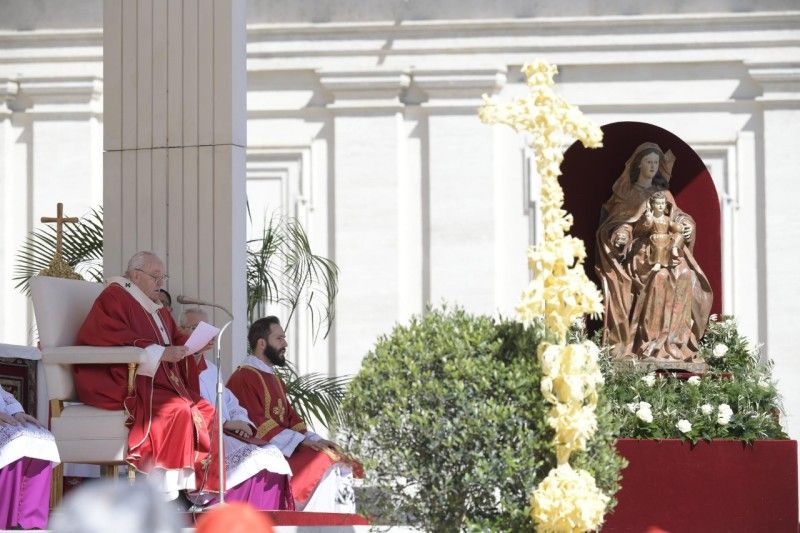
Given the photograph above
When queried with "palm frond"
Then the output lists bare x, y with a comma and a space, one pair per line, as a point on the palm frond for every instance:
282, 268
81, 248
315, 396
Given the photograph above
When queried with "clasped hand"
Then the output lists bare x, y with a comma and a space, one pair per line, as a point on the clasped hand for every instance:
173, 354
19, 419
243, 429
687, 231
319, 444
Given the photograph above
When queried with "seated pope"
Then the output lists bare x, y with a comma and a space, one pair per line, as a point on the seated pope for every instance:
170, 424
321, 480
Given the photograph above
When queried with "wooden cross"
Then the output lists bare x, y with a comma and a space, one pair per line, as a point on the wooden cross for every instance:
60, 220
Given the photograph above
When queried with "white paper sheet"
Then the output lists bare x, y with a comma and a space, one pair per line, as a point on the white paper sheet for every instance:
200, 336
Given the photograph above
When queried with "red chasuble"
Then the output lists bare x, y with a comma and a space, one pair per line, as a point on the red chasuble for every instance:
170, 424
264, 396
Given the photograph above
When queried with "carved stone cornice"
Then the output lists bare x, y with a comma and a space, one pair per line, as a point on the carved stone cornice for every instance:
57, 95
621, 39
365, 88
457, 87
780, 82
8, 94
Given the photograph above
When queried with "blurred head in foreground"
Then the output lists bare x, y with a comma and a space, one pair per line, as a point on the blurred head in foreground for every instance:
103, 506
234, 517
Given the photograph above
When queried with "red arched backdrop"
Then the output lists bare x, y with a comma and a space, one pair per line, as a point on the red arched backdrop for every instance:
588, 175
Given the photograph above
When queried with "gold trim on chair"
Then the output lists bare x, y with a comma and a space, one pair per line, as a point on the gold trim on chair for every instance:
131, 377
57, 480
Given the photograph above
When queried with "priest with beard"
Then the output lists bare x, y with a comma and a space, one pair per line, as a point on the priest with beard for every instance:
254, 474
321, 480
170, 424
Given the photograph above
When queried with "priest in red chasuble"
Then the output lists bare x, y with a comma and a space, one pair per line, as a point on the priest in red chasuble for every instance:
321, 480
170, 424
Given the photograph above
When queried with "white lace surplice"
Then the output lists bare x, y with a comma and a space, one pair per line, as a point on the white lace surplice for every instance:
242, 460
26, 440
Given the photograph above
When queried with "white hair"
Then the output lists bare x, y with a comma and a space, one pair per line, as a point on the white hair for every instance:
92, 508
193, 310
140, 260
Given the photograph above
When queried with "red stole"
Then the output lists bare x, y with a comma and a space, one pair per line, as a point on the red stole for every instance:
264, 396
170, 424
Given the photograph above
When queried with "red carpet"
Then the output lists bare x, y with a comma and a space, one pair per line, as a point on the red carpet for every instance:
722, 486
298, 518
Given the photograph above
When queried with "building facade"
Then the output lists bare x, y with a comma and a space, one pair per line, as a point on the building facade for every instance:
362, 123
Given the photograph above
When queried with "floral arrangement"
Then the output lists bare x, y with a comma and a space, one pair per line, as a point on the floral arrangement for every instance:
568, 499
735, 399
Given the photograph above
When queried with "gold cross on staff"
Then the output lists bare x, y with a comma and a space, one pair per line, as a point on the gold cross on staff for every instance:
60, 220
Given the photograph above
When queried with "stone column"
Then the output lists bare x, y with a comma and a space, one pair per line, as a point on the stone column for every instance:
174, 147
12, 191
365, 192
476, 213
778, 229
47, 129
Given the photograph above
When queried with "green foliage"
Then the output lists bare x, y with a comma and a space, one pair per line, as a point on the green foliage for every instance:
315, 396
282, 269
738, 379
448, 417
81, 248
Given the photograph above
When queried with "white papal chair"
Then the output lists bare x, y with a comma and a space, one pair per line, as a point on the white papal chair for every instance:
83, 434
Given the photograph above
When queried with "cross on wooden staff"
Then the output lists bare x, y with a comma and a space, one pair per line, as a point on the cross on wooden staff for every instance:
60, 220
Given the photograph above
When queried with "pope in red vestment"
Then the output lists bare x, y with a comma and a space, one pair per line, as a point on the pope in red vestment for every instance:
170, 424
317, 466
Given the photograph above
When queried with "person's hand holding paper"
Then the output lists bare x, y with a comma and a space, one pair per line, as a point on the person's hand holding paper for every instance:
202, 338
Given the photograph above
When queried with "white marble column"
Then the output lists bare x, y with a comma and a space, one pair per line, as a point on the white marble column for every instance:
365, 193
476, 210
780, 227
12, 189
47, 155
174, 141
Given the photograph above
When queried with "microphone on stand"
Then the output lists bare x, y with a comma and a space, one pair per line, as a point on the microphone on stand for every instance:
188, 300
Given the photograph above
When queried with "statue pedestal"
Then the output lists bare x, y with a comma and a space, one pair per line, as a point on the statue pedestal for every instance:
663, 365
722, 485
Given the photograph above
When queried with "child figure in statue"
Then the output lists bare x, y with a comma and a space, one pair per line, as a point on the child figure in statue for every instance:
666, 235
657, 298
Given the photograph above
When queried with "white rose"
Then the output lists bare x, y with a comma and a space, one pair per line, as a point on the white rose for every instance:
707, 408
720, 350
644, 405
684, 426
632, 407
713, 318
724, 414
694, 380
645, 415
649, 379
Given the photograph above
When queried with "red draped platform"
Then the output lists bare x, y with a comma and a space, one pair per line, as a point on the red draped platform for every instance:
300, 518
719, 486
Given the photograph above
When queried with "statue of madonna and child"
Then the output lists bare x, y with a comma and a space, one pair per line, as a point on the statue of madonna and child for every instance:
657, 298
